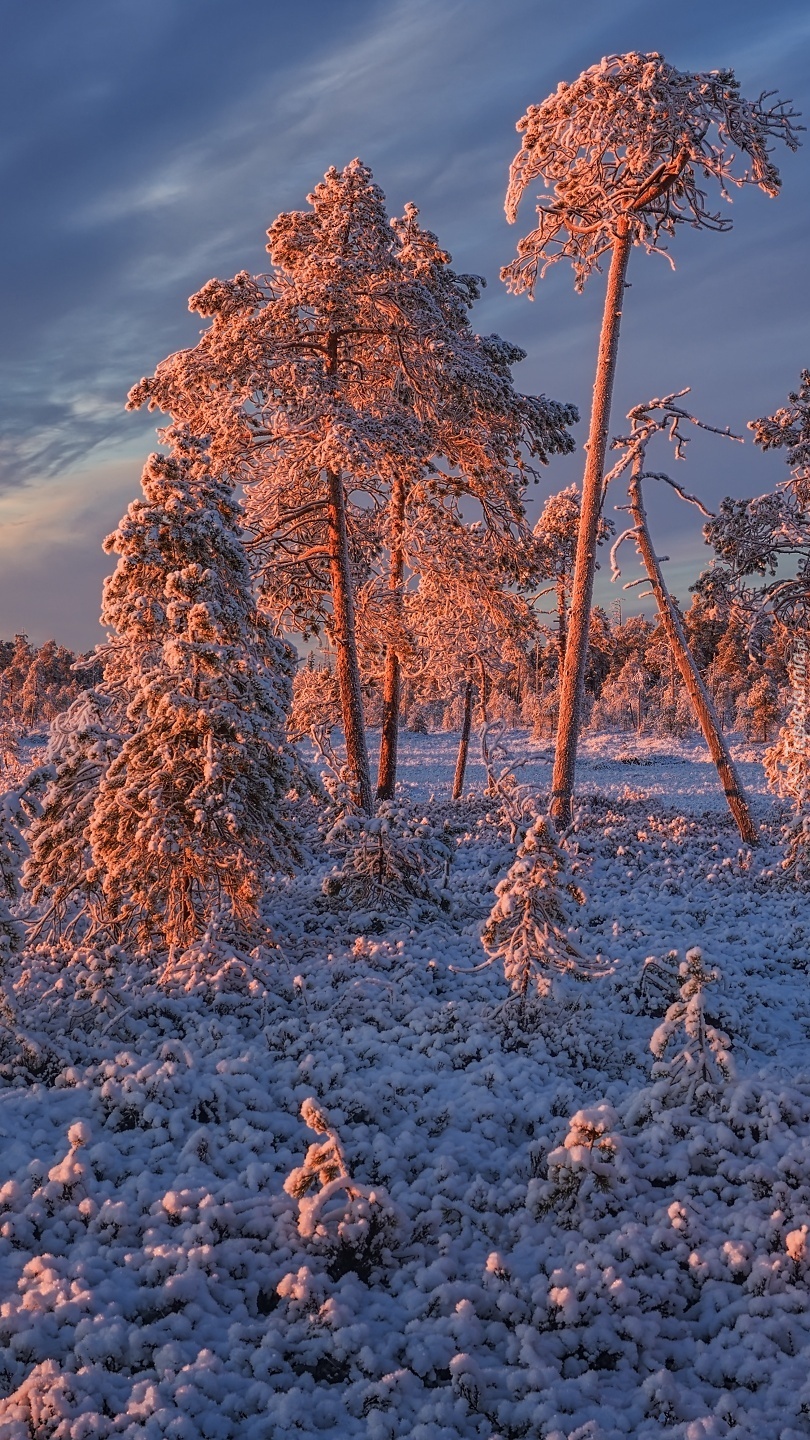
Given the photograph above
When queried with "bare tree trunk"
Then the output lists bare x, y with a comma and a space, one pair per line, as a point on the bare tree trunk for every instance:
572, 688
699, 695
484, 696
562, 622
345, 642
464, 743
387, 772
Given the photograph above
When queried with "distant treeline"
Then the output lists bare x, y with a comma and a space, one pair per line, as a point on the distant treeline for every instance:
37, 682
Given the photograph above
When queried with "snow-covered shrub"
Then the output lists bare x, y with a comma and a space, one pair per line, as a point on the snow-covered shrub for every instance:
590, 1168
210, 967
657, 985
350, 1224
695, 1072
528, 926
393, 862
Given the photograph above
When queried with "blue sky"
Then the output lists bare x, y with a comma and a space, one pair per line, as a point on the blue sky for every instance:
148, 145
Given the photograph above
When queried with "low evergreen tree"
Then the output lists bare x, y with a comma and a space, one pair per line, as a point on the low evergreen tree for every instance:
59, 873
697, 1071
528, 925
190, 814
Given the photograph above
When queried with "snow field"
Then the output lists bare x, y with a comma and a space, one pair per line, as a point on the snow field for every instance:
535, 1238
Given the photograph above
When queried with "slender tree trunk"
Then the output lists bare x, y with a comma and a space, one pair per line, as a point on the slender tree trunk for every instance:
484, 696
345, 642
562, 622
464, 743
699, 695
572, 688
392, 685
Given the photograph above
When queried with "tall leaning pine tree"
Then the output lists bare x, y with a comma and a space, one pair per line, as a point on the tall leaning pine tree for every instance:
624, 152
190, 813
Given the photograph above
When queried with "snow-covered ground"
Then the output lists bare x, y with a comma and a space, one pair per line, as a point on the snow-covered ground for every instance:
650, 1278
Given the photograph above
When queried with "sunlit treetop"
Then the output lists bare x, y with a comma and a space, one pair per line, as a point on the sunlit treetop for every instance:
355, 353
627, 149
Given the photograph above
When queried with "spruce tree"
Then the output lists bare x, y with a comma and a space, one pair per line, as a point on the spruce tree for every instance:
59, 873
190, 814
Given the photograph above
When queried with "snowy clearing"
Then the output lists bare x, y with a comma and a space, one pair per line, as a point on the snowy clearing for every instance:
524, 1235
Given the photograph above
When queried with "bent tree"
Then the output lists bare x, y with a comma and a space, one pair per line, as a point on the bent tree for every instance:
347, 376
625, 152
665, 417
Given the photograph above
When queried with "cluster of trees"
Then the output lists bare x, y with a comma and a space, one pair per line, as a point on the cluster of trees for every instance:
348, 459
631, 681
36, 683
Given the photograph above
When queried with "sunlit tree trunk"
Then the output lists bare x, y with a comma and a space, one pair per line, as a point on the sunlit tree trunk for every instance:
699, 695
392, 684
345, 643
572, 688
464, 743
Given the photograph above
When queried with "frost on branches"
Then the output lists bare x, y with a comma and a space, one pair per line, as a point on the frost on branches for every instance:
625, 151
627, 148
350, 367
528, 926
350, 1224
703, 1065
190, 814
60, 874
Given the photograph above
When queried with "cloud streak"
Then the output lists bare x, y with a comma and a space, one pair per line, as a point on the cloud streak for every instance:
145, 151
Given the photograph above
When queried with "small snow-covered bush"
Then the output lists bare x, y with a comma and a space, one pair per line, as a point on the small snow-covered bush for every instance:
352, 1225
702, 1066
394, 862
657, 985
528, 925
591, 1163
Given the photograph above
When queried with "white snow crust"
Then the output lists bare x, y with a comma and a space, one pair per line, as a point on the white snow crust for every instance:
524, 1233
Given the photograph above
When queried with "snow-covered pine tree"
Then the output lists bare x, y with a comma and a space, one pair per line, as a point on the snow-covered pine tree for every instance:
698, 1070
787, 764
350, 368
350, 1224
59, 873
625, 151
528, 925
191, 812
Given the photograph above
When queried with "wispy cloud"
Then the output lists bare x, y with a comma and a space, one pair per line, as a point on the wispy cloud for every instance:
141, 155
